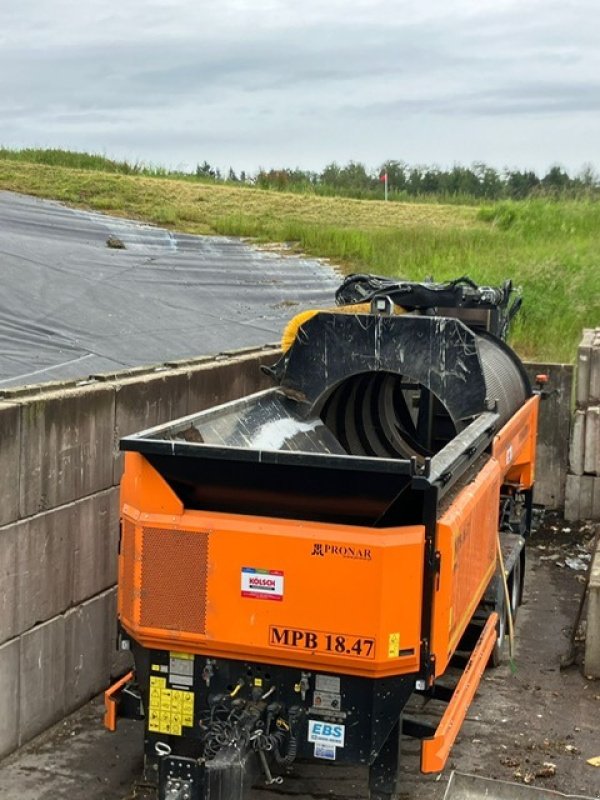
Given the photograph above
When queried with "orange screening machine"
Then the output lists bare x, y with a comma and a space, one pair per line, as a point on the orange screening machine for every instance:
297, 565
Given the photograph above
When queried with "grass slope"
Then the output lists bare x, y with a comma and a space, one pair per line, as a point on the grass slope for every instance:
550, 249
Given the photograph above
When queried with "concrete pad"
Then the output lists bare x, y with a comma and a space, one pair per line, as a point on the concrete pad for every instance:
577, 447
42, 678
44, 565
65, 450
9, 625
592, 641
95, 526
9, 697
591, 461
10, 456
88, 641
77, 759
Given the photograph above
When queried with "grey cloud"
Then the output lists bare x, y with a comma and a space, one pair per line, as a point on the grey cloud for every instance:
230, 91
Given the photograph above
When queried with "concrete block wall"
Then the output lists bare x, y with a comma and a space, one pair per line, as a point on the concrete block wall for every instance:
582, 499
59, 472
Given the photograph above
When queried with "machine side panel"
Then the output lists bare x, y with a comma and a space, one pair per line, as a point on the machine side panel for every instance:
466, 540
514, 446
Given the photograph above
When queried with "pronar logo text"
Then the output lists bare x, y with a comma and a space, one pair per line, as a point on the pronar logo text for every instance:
341, 551
262, 584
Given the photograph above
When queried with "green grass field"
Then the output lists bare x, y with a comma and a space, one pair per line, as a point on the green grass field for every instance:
550, 248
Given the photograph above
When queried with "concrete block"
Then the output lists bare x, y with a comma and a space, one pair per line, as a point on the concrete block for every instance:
592, 641
10, 456
88, 650
44, 565
577, 448
594, 396
95, 526
9, 697
9, 625
572, 498
591, 461
42, 678
121, 661
66, 446
554, 429
228, 379
596, 500
584, 357
144, 401
586, 496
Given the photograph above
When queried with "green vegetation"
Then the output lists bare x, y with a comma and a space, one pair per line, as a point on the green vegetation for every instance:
549, 246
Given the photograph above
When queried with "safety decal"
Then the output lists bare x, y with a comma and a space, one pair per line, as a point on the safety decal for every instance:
262, 584
169, 710
393, 645
326, 733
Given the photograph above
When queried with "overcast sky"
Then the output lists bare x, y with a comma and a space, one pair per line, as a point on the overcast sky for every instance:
304, 82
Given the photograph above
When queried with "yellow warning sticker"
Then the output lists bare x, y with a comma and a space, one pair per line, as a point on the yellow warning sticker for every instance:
184, 656
169, 710
258, 681
393, 645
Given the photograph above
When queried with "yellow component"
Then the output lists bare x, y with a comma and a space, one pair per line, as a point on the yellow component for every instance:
393, 645
158, 683
155, 667
258, 682
297, 688
187, 720
185, 656
236, 690
187, 702
291, 329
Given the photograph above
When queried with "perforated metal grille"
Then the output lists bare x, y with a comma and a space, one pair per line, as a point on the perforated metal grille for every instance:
126, 583
173, 580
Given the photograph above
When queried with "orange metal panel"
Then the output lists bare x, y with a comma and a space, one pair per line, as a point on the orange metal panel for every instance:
336, 597
514, 445
435, 751
467, 545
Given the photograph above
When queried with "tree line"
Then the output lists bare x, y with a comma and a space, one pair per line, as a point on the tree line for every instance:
354, 179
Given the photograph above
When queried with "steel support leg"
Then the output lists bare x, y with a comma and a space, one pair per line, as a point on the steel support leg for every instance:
384, 772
